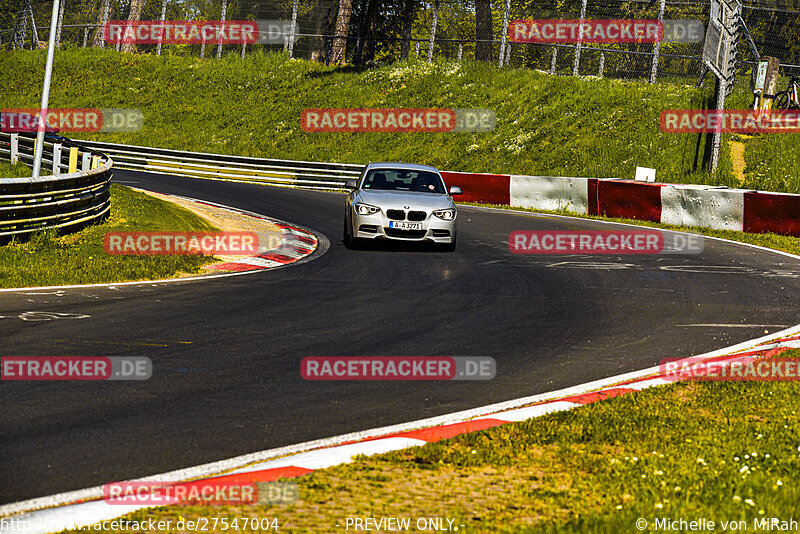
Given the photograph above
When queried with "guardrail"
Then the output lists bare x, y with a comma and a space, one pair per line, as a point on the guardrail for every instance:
67, 198
287, 173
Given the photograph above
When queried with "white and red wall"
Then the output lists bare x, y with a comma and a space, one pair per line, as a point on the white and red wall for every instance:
682, 204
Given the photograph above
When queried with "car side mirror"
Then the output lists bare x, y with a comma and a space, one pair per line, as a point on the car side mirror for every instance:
350, 184
455, 190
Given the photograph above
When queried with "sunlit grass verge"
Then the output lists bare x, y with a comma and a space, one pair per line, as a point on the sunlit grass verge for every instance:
19, 170
724, 451
774, 241
79, 258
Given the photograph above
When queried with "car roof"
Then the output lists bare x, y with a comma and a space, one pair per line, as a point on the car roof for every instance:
403, 166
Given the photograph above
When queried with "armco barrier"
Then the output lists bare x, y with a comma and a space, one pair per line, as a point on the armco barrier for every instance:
688, 205
57, 200
302, 174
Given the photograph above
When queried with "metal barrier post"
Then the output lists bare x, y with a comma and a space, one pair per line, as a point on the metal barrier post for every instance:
56, 159
73, 159
553, 60
14, 148
86, 163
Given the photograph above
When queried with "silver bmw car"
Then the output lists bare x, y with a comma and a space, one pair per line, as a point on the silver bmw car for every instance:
400, 201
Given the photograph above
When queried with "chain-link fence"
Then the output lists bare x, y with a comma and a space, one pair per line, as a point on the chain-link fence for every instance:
379, 31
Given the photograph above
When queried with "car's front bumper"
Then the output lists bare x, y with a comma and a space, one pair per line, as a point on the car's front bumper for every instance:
376, 226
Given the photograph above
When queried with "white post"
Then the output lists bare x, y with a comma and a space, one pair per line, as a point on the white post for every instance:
86, 161
553, 60
294, 27
433, 29
48, 73
56, 159
460, 51
505, 34
244, 47
161, 32
416, 48
14, 148
602, 63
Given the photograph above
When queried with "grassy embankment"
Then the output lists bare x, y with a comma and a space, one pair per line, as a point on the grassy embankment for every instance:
79, 258
548, 125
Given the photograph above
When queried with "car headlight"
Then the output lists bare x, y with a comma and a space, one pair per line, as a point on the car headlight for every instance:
448, 215
366, 209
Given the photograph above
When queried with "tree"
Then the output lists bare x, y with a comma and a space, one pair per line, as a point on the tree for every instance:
408, 21
342, 30
134, 16
102, 19
483, 30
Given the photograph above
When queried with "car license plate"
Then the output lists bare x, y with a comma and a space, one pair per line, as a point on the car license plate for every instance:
402, 225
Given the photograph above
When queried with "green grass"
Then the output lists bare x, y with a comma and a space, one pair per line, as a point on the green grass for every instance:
19, 170
724, 451
775, 241
550, 125
79, 258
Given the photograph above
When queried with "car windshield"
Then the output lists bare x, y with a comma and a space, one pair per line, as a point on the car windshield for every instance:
403, 180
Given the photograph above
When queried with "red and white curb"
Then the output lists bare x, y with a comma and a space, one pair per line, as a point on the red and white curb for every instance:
86, 507
296, 243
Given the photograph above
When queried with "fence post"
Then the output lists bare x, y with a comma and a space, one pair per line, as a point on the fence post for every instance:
602, 63
222, 19
73, 159
14, 148
433, 29
161, 27
56, 159
657, 47
505, 33
577, 64
460, 51
416, 48
244, 48
508, 53
86, 163
553, 60
294, 28
717, 139
85, 36
203, 48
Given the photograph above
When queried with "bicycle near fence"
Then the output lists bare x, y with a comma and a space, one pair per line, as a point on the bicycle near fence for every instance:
790, 98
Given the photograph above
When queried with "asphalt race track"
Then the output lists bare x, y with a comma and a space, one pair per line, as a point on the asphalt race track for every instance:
226, 352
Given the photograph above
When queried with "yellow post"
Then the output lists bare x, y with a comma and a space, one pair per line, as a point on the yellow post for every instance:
95, 161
